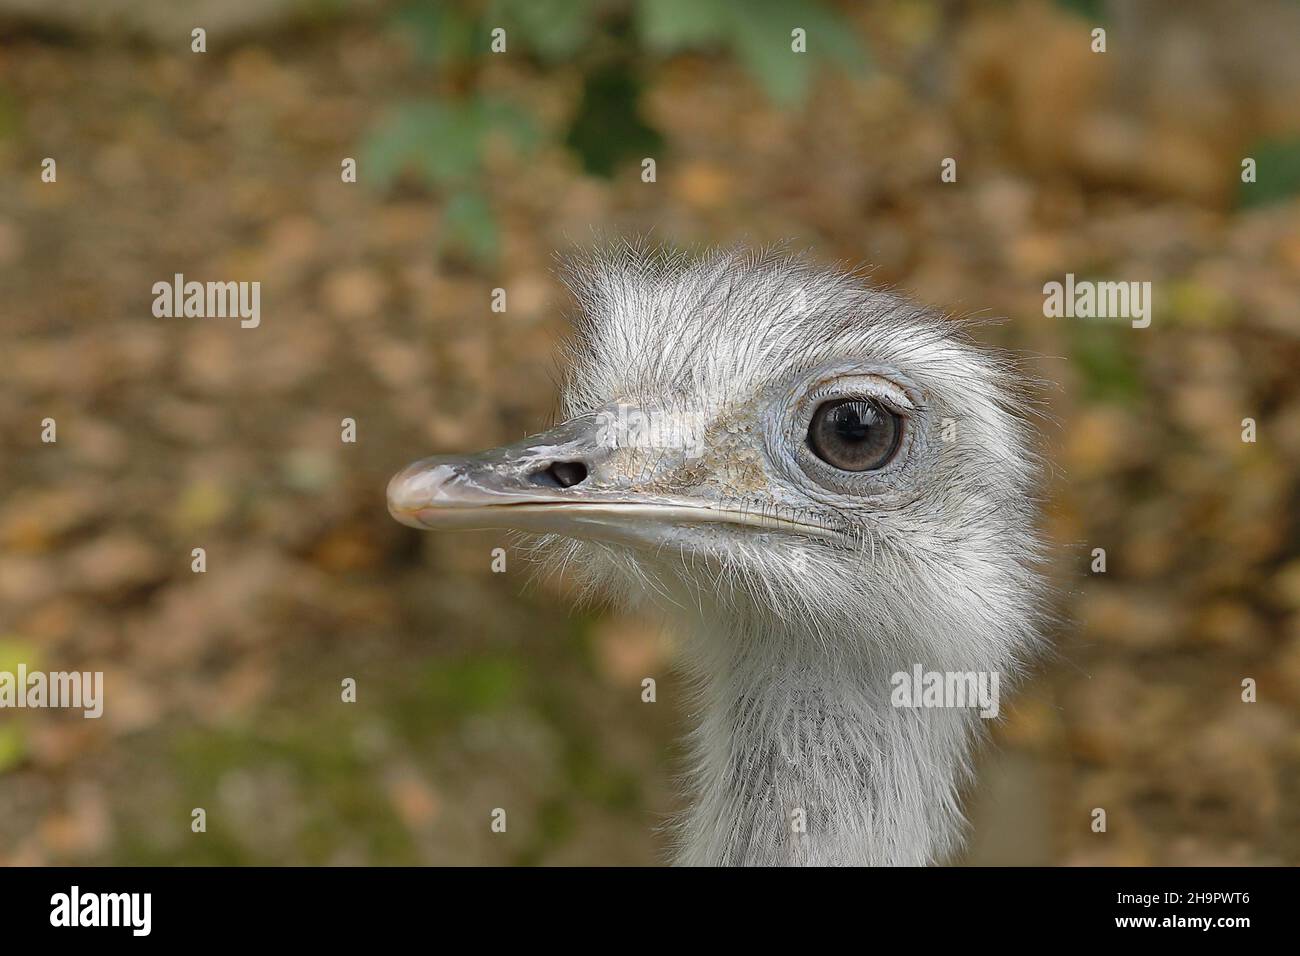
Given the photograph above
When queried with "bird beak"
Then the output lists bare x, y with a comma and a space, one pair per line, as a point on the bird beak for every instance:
550, 482
570, 481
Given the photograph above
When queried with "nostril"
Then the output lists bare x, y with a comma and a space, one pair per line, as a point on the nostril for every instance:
568, 473
561, 474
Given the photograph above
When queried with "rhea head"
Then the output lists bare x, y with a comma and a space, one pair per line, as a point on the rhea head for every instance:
777, 450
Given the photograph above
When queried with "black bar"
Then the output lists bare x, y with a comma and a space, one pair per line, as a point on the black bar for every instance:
433, 906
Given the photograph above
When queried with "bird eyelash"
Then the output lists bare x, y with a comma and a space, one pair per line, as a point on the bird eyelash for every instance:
891, 395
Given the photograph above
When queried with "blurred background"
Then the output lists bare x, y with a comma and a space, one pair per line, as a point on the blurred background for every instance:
478, 690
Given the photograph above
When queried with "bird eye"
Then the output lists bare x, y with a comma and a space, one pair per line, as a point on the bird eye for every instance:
854, 434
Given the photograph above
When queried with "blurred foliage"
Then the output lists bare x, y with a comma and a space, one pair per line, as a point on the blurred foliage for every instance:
14, 652
1277, 172
333, 783
755, 33
608, 128
458, 34
444, 140
1103, 355
1094, 11
469, 686
13, 741
441, 140
333, 775
13, 746
9, 114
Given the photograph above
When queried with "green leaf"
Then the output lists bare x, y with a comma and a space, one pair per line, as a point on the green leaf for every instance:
436, 32
759, 34
669, 26
470, 227
1103, 353
1277, 172
473, 685
505, 117
441, 141
554, 29
1094, 11
406, 136
830, 36
764, 48
15, 651
13, 746
10, 115
607, 128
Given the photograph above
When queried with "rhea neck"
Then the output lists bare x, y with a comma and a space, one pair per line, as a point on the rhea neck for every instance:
800, 759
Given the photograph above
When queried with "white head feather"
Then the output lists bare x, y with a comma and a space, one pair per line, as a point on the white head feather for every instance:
822, 584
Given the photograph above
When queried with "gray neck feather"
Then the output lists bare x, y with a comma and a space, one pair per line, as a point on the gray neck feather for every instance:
800, 759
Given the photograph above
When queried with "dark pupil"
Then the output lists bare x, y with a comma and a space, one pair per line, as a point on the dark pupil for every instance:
854, 434
853, 422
